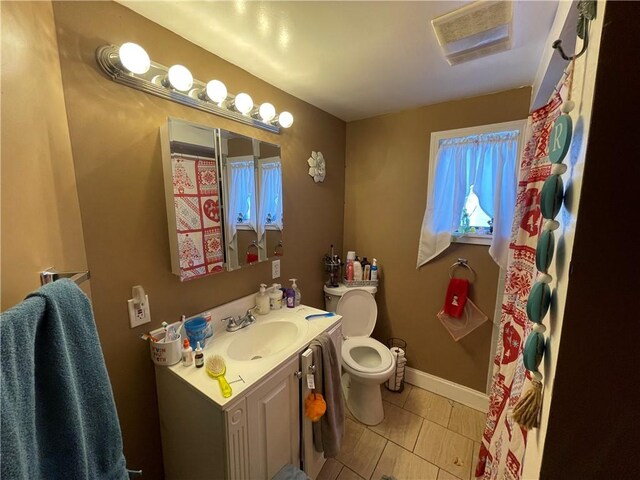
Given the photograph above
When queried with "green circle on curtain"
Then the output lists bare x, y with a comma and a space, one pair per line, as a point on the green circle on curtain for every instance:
551, 196
538, 302
560, 138
533, 351
544, 251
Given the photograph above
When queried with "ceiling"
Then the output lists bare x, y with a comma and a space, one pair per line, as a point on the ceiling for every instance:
354, 59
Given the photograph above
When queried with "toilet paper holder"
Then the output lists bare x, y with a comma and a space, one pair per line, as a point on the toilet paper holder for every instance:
398, 348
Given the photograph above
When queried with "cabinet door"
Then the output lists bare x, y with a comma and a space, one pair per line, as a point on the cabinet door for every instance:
274, 419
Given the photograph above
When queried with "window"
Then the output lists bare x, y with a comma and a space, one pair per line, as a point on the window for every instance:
471, 188
242, 193
270, 172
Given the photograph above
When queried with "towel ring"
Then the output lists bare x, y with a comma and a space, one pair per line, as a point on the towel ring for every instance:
278, 250
462, 262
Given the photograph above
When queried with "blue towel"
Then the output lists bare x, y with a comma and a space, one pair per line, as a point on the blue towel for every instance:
59, 419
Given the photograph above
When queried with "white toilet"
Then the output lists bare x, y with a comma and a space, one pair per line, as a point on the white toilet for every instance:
366, 362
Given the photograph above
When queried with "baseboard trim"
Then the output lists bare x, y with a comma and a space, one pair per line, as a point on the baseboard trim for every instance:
453, 391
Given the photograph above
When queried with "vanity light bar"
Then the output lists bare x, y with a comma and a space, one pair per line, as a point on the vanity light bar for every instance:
130, 65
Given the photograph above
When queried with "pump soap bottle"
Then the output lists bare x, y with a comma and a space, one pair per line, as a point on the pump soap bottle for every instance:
374, 270
262, 300
296, 290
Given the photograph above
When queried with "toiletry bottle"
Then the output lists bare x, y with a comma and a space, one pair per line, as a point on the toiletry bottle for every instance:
291, 298
262, 301
187, 353
374, 270
357, 270
199, 358
366, 269
275, 297
296, 291
349, 270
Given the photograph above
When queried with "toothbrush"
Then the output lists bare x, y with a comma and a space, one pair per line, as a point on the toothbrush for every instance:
319, 315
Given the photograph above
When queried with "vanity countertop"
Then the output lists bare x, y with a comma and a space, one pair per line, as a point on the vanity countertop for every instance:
252, 371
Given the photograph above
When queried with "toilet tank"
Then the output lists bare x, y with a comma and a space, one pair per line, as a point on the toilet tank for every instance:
332, 295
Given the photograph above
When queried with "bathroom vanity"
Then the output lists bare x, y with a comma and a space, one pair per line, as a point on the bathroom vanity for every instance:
260, 428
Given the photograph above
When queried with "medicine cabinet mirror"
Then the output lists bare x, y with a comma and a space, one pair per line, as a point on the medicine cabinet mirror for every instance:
224, 199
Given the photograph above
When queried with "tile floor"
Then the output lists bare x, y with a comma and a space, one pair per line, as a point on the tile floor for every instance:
423, 437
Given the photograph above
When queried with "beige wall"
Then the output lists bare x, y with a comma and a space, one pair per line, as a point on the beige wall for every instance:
386, 189
41, 224
116, 149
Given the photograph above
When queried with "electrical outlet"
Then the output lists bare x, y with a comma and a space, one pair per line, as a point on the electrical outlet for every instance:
275, 269
139, 313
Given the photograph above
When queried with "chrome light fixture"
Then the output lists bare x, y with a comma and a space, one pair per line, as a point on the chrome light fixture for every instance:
285, 119
130, 65
134, 58
243, 103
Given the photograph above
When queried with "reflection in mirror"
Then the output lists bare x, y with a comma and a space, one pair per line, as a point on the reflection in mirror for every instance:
224, 199
192, 191
270, 215
239, 185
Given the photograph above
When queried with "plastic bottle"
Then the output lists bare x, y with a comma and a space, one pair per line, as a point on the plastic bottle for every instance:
296, 291
275, 297
199, 358
374, 270
262, 301
357, 270
366, 269
291, 298
187, 353
349, 270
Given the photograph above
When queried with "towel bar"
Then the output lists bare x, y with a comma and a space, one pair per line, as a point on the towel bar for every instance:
50, 275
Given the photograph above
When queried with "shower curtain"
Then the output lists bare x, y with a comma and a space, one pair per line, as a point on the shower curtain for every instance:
503, 441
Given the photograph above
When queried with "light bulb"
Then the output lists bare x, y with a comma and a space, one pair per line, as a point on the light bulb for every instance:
216, 91
285, 119
134, 58
267, 112
243, 103
180, 78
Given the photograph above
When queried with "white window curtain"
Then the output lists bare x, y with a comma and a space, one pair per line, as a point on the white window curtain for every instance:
242, 196
270, 209
489, 164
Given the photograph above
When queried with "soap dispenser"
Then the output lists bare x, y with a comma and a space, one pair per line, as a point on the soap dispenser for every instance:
262, 300
275, 297
296, 290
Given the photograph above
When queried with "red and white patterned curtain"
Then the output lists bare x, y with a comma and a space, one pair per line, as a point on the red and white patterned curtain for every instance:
503, 442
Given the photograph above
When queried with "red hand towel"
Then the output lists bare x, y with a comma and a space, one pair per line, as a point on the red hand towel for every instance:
456, 297
252, 257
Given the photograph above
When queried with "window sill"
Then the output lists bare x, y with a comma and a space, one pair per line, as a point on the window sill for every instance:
473, 239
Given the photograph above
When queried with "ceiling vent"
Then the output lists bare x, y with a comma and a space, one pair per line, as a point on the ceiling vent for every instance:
476, 30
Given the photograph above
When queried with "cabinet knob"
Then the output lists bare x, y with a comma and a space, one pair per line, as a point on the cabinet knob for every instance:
298, 374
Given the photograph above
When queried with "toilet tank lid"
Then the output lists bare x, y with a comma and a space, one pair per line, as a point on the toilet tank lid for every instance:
359, 312
341, 289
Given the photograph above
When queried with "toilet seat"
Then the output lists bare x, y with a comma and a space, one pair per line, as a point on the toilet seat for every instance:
350, 349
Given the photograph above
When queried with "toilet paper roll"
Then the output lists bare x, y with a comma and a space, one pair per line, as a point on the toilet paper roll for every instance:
395, 381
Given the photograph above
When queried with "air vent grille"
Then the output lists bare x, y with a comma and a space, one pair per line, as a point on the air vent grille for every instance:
476, 30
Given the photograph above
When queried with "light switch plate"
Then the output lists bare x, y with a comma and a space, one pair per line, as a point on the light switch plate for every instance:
275, 269
141, 315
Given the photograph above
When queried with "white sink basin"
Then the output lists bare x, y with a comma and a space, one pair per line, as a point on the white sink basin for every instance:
263, 340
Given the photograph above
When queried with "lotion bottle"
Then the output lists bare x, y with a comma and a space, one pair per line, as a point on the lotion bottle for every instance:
357, 270
262, 300
275, 297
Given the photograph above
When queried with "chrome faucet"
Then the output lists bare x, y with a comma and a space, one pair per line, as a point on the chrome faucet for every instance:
234, 325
